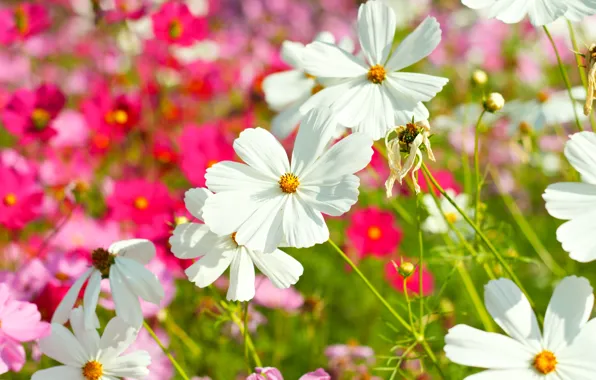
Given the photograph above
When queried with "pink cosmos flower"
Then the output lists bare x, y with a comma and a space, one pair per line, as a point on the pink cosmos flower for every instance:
201, 147
126, 9
28, 281
71, 128
139, 200
83, 232
23, 21
21, 322
319, 374
30, 114
163, 150
175, 24
20, 198
376, 173
266, 373
160, 367
445, 178
413, 282
373, 232
268, 295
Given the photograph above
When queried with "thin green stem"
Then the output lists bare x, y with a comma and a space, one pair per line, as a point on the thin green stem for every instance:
420, 265
243, 330
478, 182
565, 77
165, 351
478, 231
246, 335
182, 335
408, 302
580, 65
432, 357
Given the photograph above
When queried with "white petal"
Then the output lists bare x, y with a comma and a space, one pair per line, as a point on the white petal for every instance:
282, 269
284, 123
90, 299
302, 226
334, 200
63, 347
262, 231
577, 360
403, 117
259, 149
89, 338
348, 156
242, 277
194, 200
291, 53
225, 212
568, 311
327, 60
327, 96
567, 200
578, 9
500, 374
382, 116
417, 45
141, 250
545, 11
117, 337
511, 11
234, 176
191, 240
419, 87
316, 131
140, 280
580, 150
210, 267
133, 365
356, 104
61, 372
510, 308
472, 347
126, 302
376, 27
286, 87
576, 237
62, 312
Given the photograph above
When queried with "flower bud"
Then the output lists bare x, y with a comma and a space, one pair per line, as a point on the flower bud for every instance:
479, 77
494, 102
406, 269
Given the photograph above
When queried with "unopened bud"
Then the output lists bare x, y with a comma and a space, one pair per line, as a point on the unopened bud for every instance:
406, 269
494, 102
479, 77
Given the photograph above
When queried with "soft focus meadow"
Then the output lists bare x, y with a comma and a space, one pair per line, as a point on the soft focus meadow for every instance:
111, 111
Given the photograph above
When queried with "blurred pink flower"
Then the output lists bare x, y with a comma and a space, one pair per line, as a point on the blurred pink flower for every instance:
373, 232
201, 147
269, 296
413, 282
319, 374
445, 178
20, 198
139, 200
30, 114
266, 373
23, 21
21, 322
175, 24
72, 130
160, 367
28, 281
84, 232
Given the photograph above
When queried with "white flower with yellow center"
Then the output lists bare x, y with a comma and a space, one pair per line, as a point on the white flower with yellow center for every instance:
87, 356
286, 91
124, 264
436, 222
564, 352
576, 201
370, 94
217, 253
268, 200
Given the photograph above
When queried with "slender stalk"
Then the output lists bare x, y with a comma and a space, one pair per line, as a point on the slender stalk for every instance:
183, 336
248, 339
478, 183
565, 78
408, 303
165, 351
580, 66
420, 265
246, 335
432, 357
478, 231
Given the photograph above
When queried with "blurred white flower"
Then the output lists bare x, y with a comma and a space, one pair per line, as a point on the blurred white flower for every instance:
565, 351
436, 222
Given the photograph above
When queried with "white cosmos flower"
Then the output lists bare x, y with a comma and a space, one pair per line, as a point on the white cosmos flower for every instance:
578, 9
191, 240
436, 222
370, 94
576, 201
286, 91
269, 200
86, 356
124, 264
564, 352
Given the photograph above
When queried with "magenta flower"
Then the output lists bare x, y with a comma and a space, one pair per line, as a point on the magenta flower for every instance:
175, 24
139, 200
266, 373
30, 114
374, 232
20, 198
20, 322
413, 282
22, 22
270, 296
202, 147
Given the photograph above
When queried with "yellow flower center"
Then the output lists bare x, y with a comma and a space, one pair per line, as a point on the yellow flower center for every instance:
525, 128
178, 220
374, 233
102, 260
233, 237
289, 183
309, 76
10, 199
93, 370
377, 74
316, 88
141, 203
542, 96
451, 217
117, 117
545, 362
21, 20
61, 276
175, 29
40, 118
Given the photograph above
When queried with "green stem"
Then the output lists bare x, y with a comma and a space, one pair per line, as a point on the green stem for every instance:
478, 183
248, 340
246, 336
483, 237
165, 351
420, 265
565, 77
580, 66
432, 357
